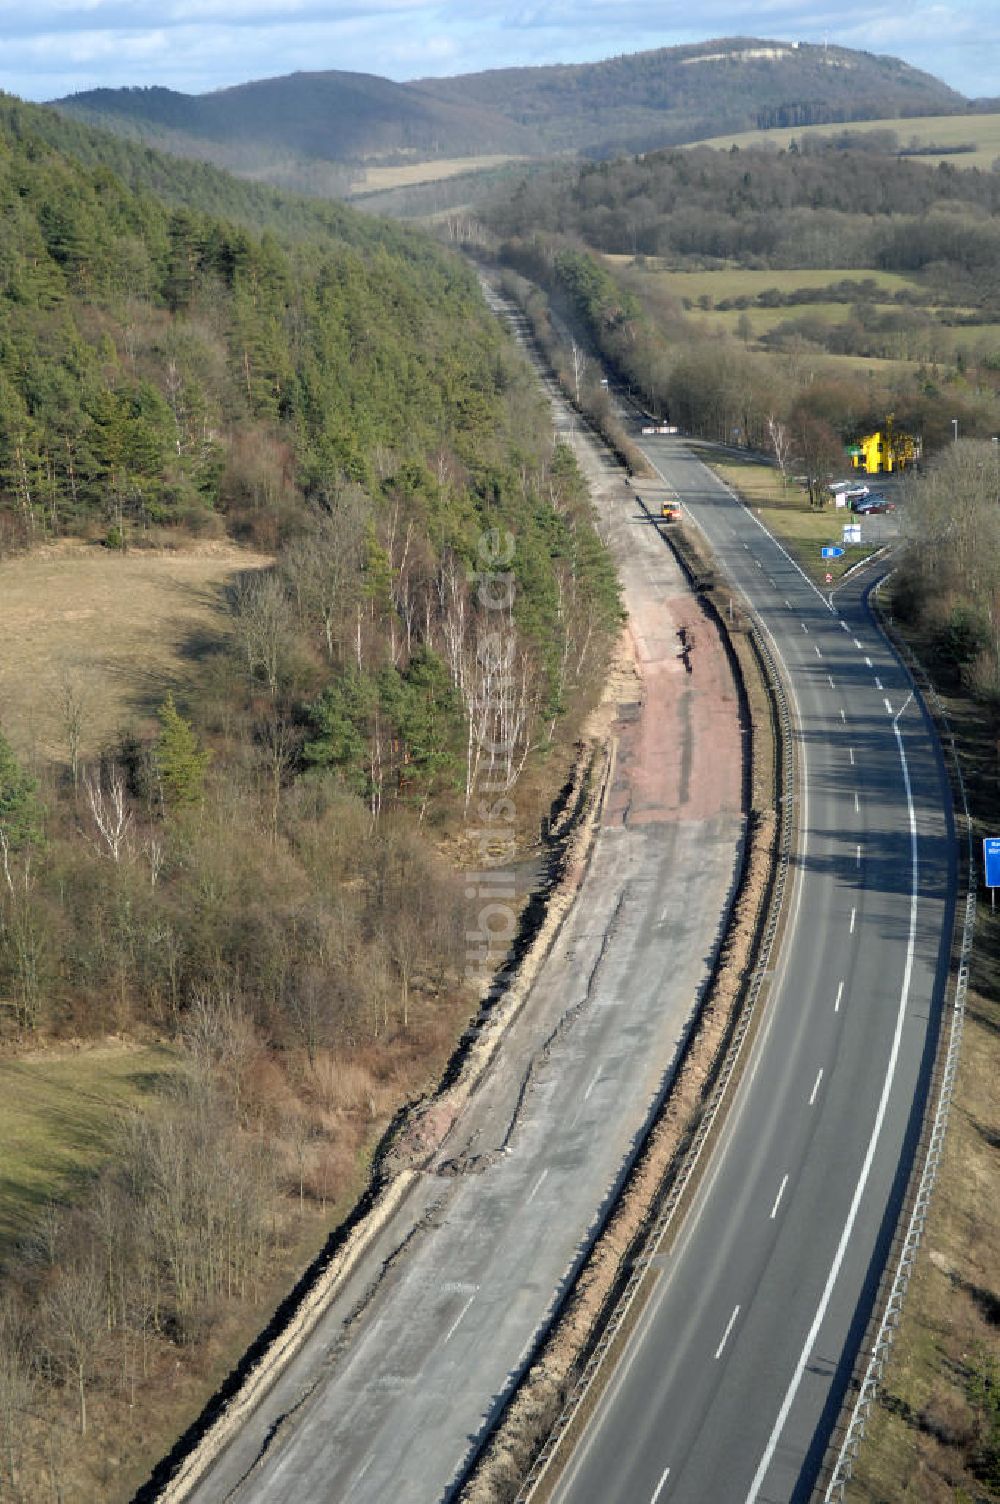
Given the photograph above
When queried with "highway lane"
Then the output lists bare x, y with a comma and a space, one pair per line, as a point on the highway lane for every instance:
733, 1379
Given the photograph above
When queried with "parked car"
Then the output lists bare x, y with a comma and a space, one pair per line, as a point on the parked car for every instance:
872, 503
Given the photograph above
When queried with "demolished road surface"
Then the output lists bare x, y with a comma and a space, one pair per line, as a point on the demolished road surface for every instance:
389, 1393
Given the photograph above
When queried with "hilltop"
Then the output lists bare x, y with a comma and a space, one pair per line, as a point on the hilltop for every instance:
316, 131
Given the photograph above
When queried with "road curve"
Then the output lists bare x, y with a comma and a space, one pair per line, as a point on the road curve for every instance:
734, 1376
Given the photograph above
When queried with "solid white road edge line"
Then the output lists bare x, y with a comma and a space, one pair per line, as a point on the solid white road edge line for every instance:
859, 1189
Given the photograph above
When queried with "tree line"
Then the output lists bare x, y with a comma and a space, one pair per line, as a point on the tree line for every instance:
812, 205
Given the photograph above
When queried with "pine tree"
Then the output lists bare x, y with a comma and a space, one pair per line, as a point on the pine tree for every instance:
20, 811
180, 762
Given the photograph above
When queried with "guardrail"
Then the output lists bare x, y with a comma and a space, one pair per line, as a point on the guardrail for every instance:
785, 783
836, 1490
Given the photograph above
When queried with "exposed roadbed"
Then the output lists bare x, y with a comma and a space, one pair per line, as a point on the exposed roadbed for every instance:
405, 1366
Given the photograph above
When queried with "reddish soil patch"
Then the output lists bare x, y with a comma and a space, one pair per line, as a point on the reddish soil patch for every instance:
688, 702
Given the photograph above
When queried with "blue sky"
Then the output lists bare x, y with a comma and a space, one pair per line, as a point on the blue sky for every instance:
55, 47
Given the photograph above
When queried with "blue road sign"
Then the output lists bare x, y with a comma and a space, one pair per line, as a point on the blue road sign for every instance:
991, 861
832, 551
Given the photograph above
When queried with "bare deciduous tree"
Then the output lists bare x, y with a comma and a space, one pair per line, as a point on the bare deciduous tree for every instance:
110, 811
262, 620
781, 442
74, 1326
16, 1392
73, 706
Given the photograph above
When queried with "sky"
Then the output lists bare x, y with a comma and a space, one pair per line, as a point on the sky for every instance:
49, 48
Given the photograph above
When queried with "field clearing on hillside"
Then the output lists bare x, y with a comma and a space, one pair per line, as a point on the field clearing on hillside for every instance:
763, 320
926, 130
412, 174
58, 1116
122, 629
740, 282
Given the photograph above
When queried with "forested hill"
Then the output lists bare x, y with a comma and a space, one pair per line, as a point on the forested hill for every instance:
165, 368
135, 340
679, 94
331, 116
282, 128
180, 181
844, 200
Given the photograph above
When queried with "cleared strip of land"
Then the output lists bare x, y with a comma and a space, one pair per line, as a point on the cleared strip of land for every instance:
411, 174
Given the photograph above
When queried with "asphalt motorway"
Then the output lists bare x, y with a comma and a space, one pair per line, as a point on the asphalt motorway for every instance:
734, 1376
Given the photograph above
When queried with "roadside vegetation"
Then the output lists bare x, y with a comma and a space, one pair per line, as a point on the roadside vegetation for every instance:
295, 569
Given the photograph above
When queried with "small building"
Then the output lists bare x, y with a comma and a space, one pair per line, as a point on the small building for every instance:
887, 449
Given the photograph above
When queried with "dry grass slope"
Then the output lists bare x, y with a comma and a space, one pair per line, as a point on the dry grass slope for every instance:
118, 628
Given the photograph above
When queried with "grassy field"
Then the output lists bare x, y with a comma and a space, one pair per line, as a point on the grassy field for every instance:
58, 1114
982, 131
785, 510
738, 282
120, 629
940, 343
410, 174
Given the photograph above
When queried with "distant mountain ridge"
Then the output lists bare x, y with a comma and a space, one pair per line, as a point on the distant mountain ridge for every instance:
631, 103
680, 94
